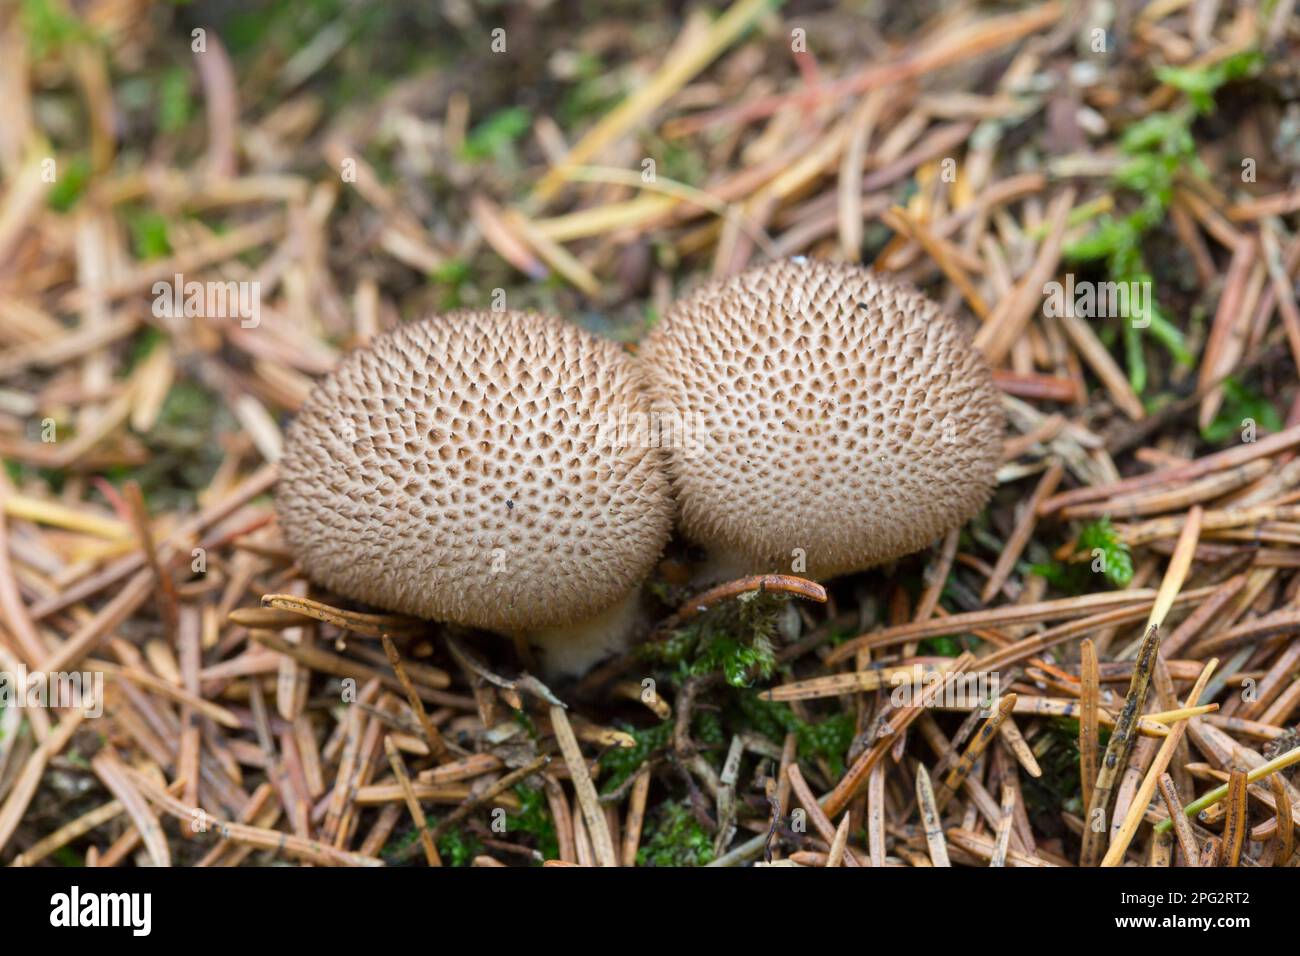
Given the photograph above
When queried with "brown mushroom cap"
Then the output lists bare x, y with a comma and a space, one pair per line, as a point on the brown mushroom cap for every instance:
459, 469
837, 414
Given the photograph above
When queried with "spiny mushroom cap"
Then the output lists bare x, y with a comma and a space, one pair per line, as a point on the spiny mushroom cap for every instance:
471, 468
833, 414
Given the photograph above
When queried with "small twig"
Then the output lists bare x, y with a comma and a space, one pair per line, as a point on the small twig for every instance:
1003, 835
816, 814
368, 625
1280, 762
1284, 837
1142, 799
500, 786
432, 737
1182, 829
777, 583
588, 800
412, 804
983, 737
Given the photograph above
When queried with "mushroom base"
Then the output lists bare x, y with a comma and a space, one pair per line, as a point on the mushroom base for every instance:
570, 650
721, 566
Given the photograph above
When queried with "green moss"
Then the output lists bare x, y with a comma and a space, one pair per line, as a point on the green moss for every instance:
141, 345
1058, 788
174, 100
592, 94
148, 235
619, 763
707, 730
676, 162
1077, 577
184, 450
1200, 83
495, 136
735, 639
70, 182
826, 739
67, 856
1239, 404
457, 847
737, 660
534, 817
1101, 536
453, 274
940, 647
49, 27
673, 837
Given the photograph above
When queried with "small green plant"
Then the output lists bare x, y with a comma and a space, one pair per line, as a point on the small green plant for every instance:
595, 90
826, 739
940, 647
66, 856
737, 660
735, 639
1099, 549
453, 274
49, 28
457, 847
1202, 82
149, 235
174, 100
1058, 788
496, 135
619, 763
1240, 404
183, 448
1156, 149
70, 183
674, 838
1117, 562
534, 817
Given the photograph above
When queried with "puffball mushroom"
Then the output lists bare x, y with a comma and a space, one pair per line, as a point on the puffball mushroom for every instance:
470, 468
837, 419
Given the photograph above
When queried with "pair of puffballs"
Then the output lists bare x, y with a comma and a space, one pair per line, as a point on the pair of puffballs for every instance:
512, 472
